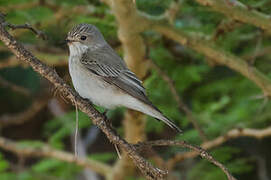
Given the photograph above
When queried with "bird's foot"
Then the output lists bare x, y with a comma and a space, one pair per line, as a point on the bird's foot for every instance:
108, 121
105, 112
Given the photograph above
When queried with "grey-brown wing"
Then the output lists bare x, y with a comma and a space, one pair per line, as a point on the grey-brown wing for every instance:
114, 73
104, 56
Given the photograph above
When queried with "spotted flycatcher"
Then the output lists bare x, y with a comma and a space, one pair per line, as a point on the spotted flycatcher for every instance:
100, 75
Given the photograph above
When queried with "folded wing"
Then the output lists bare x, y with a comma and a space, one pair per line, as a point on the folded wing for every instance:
108, 65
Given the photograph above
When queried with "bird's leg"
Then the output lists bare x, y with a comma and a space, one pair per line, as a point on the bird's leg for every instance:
108, 121
56, 91
105, 112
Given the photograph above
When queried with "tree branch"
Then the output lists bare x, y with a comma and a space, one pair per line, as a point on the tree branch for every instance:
47, 151
217, 55
98, 119
203, 153
40, 34
232, 134
240, 12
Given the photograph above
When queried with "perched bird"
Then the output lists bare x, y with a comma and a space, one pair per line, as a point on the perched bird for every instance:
100, 75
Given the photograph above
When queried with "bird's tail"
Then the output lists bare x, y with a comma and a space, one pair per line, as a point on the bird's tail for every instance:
169, 123
153, 111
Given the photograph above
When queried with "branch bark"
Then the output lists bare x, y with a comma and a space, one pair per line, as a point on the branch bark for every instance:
203, 153
240, 12
47, 151
232, 134
40, 34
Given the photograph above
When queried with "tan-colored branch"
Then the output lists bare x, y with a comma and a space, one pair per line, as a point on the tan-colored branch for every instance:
203, 153
232, 134
47, 151
24, 116
217, 55
98, 119
240, 12
14, 87
181, 106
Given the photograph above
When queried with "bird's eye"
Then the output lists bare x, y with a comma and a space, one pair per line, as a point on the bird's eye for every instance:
83, 38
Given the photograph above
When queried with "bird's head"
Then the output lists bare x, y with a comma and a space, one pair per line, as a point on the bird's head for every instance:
84, 36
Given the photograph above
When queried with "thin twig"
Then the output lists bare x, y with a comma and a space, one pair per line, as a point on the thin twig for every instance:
203, 153
181, 105
234, 133
39, 33
76, 130
57, 110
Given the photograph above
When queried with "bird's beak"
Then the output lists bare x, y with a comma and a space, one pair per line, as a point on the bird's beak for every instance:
68, 41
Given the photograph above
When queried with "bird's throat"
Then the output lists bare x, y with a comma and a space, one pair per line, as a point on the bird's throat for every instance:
77, 49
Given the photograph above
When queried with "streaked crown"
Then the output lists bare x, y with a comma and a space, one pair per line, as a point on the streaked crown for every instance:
82, 29
86, 34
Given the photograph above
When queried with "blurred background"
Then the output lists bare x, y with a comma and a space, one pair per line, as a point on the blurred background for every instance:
212, 103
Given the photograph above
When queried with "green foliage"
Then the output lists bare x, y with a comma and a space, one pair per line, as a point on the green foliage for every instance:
32, 144
56, 168
4, 165
155, 7
104, 157
32, 15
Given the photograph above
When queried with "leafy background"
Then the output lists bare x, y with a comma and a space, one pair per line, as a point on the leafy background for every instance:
220, 98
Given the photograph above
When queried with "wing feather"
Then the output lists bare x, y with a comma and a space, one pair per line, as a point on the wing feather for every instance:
108, 65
